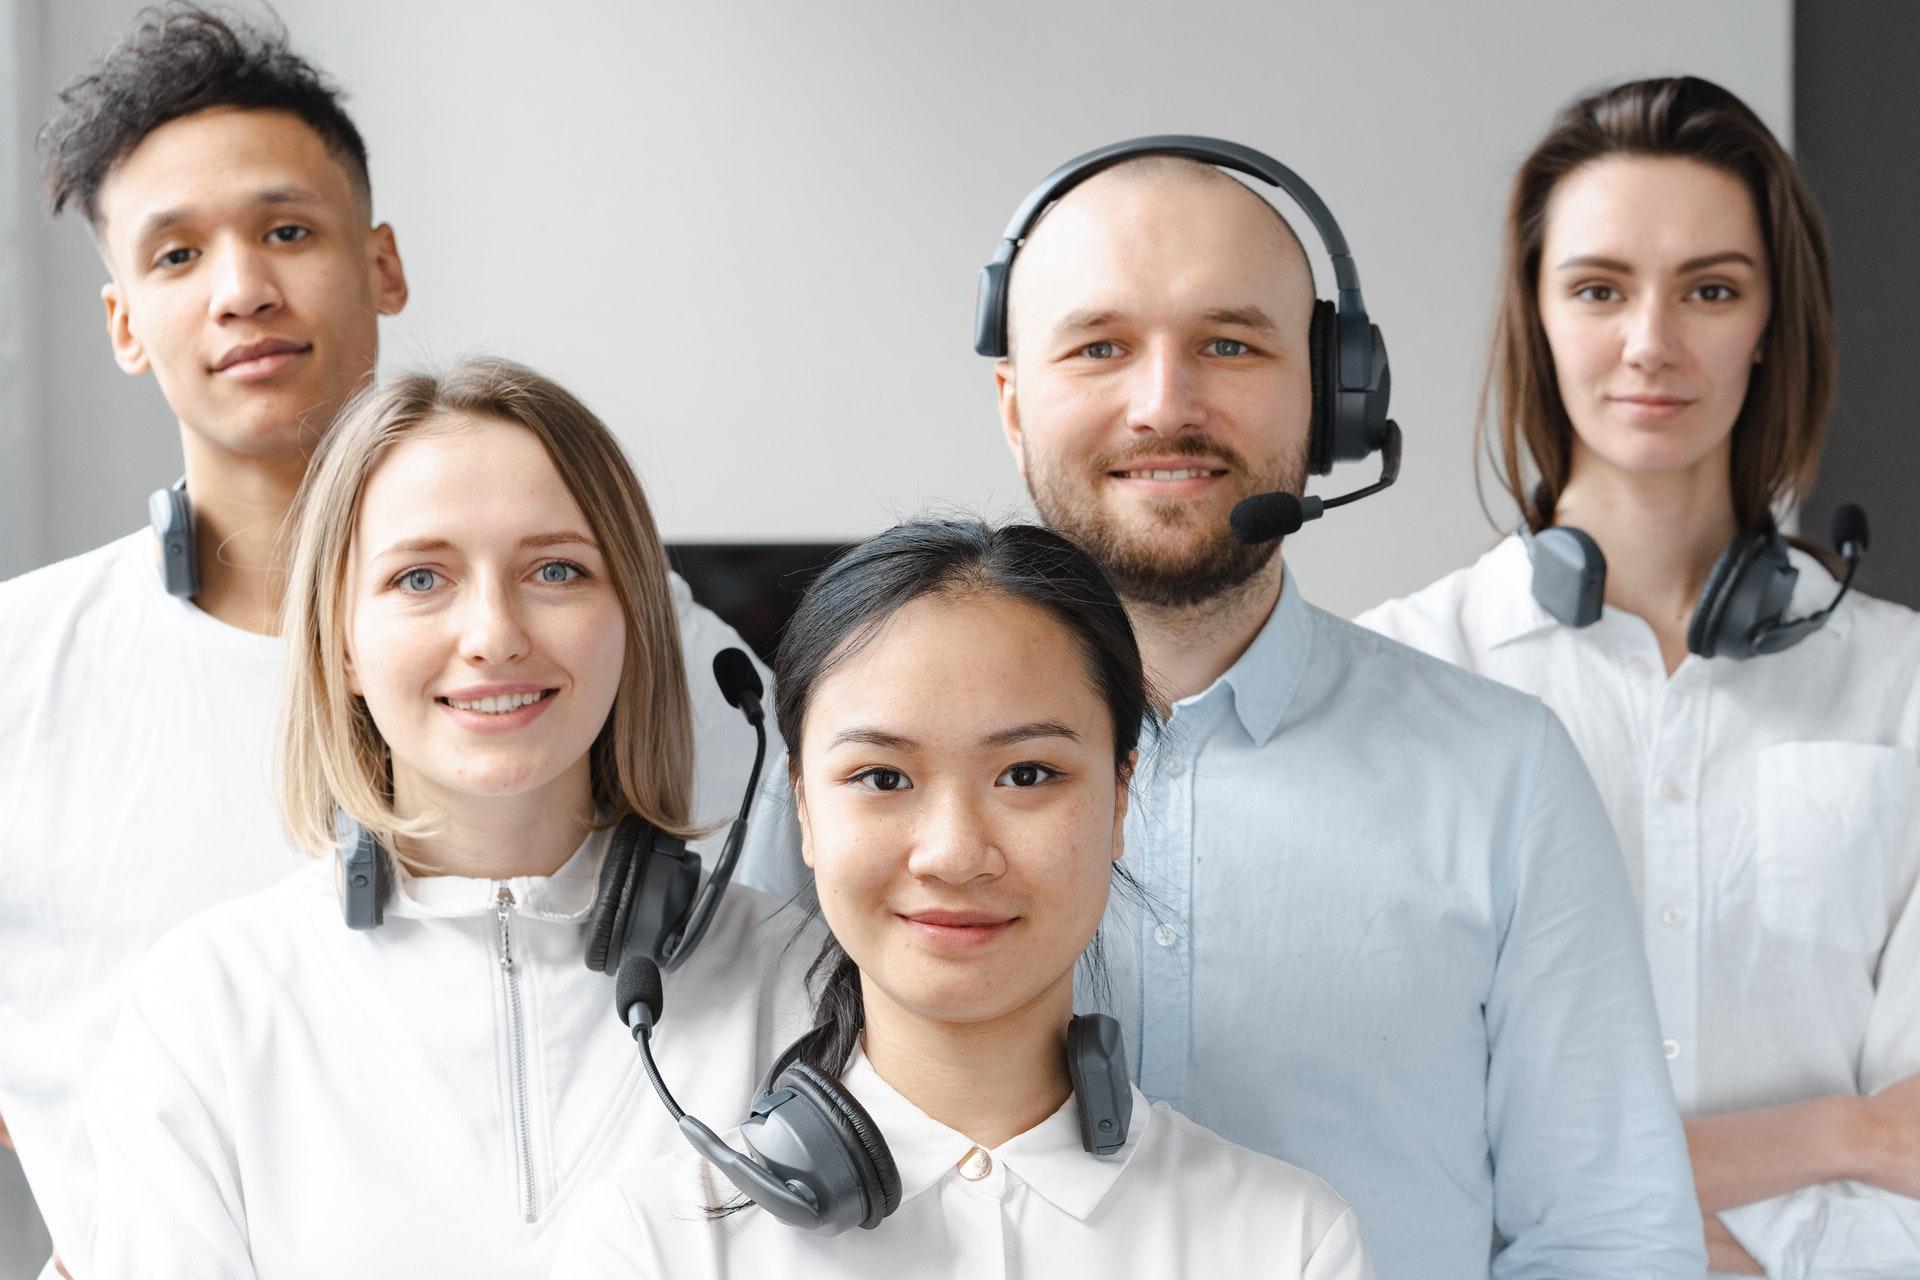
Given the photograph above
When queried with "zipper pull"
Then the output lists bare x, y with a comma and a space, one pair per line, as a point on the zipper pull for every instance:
502, 909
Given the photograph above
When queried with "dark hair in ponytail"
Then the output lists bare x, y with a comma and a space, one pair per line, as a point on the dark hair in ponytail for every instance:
849, 602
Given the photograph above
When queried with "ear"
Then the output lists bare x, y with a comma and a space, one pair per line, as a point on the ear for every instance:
128, 352
1010, 414
389, 277
806, 829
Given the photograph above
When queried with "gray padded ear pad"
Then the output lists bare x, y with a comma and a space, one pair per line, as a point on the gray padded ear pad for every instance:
613, 899
1323, 364
1704, 631
879, 1176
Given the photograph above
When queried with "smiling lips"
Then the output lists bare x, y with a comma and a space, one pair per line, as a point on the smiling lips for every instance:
1170, 477
497, 708
1652, 407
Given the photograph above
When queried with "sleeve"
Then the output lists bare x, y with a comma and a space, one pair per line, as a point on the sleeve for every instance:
1591, 1175
771, 860
1341, 1253
1855, 1229
168, 1200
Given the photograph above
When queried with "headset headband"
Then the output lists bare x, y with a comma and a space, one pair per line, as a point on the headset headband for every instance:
1354, 369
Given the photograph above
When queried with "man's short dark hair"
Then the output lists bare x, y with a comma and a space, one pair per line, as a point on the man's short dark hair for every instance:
176, 60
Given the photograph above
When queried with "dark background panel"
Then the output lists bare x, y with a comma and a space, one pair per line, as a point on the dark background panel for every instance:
1857, 135
753, 586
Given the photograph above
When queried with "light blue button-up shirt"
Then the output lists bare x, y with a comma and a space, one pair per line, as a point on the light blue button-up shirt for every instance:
1388, 938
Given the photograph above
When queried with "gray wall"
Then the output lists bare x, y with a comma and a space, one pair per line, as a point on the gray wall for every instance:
748, 235
1858, 121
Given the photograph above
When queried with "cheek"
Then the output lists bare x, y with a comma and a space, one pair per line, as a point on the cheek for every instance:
857, 857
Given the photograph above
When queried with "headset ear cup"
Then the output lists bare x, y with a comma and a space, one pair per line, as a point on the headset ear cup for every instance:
879, 1175
1709, 616
613, 898
1323, 354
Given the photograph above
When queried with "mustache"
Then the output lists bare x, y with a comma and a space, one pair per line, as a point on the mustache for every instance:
1179, 446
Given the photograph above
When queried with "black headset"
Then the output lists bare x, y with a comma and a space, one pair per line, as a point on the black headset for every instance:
646, 904
815, 1159
1742, 609
171, 516
1347, 356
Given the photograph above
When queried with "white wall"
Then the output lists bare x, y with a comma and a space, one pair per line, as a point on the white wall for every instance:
748, 234
22, 464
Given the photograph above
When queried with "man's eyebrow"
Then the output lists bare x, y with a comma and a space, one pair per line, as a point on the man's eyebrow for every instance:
1026, 732
1691, 264
1083, 320
1244, 317
160, 221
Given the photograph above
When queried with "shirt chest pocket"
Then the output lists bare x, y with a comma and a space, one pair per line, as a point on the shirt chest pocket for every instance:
1831, 817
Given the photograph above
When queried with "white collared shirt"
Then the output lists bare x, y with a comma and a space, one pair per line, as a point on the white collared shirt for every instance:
1174, 1201
1768, 813
285, 1096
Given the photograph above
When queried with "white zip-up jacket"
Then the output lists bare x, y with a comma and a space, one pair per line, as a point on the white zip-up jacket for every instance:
285, 1096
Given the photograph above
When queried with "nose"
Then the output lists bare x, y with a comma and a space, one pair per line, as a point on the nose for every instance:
955, 844
244, 286
1165, 394
1653, 336
492, 632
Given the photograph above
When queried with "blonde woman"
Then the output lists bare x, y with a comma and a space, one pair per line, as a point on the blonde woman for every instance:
484, 678
1663, 367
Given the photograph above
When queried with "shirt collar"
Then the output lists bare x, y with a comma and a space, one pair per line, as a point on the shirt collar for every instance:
1513, 613
567, 894
1265, 678
1048, 1157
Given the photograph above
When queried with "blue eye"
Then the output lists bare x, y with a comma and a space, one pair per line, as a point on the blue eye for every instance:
1027, 773
558, 571
1102, 350
418, 581
1220, 347
883, 779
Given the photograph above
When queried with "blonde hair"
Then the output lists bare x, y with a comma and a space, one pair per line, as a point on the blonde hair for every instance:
332, 757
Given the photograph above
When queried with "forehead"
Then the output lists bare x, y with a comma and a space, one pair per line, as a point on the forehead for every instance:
464, 478
1167, 244
217, 160
1652, 209
948, 669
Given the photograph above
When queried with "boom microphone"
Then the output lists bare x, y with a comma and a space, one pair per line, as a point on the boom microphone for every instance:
739, 682
637, 993
1266, 516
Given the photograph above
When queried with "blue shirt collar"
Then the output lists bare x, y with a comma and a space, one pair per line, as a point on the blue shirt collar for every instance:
1265, 678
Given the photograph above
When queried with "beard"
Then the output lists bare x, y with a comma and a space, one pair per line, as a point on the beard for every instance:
1168, 555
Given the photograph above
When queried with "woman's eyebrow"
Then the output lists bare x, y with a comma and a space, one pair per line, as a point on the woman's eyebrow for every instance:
1025, 732
1691, 264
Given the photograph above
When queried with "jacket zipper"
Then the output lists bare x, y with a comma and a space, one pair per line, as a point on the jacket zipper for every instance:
516, 1035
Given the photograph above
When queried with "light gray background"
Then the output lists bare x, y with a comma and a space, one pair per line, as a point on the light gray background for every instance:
748, 234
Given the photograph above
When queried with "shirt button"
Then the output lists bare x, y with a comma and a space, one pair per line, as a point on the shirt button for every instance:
1672, 915
1671, 791
1164, 934
1672, 1047
1175, 768
975, 1165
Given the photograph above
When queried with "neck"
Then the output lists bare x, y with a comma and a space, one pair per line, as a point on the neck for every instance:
239, 506
1186, 648
990, 1080
494, 837
1660, 533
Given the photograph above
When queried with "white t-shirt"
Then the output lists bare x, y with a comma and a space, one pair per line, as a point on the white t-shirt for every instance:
1769, 812
288, 1097
1174, 1201
135, 774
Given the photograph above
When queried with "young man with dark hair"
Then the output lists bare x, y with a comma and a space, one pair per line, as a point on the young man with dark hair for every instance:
228, 194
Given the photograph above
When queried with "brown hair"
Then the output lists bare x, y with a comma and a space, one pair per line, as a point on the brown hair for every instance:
332, 757
1776, 439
